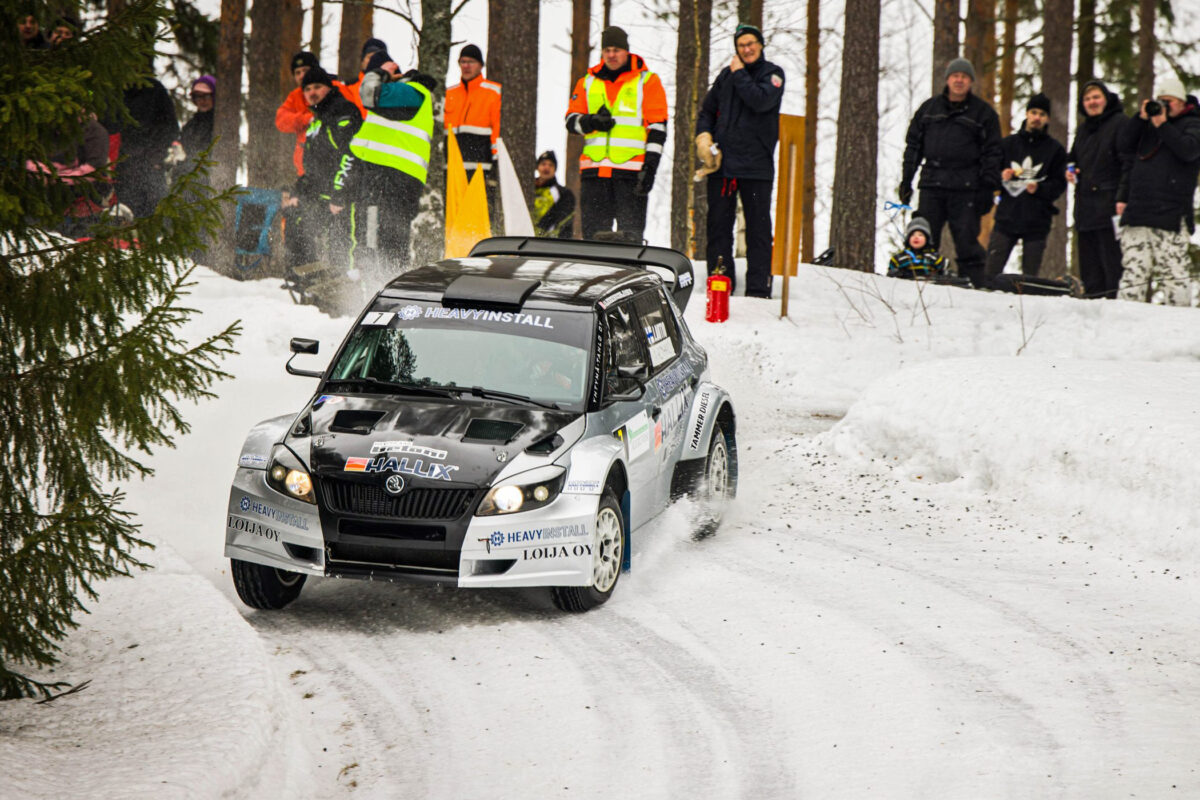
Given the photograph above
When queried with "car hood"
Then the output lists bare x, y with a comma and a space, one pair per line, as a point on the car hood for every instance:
429, 442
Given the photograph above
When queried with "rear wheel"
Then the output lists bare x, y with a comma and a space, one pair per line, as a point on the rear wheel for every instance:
264, 587
717, 484
608, 551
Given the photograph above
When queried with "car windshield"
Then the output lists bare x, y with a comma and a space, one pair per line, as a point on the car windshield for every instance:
542, 355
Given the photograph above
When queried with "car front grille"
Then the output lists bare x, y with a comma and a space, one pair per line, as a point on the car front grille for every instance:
347, 497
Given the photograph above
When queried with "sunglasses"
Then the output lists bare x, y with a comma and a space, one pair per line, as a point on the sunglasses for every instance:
199, 95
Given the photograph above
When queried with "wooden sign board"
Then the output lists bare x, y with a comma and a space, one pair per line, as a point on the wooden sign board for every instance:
789, 194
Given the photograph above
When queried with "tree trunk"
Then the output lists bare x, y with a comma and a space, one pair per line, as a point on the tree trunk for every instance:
513, 63
1146, 49
1086, 66
433, 58
812, 74
607, 13
264, 142
1008, 66
688, 198
318, 26
351, 41
946, 19
979, 46
852, 230
227, 120
751, 11
1056, 83
581, 51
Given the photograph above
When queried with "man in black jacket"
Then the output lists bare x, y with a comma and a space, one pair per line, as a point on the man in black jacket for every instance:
956, 135
1097, 175
741, 113
1155, 200
1035, 176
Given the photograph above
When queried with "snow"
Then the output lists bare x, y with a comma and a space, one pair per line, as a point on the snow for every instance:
961, 564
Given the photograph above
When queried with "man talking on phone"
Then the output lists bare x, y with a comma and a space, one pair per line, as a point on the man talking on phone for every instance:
741, 114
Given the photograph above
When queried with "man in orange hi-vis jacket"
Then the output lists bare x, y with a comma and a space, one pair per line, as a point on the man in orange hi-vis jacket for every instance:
473, 112
620, 108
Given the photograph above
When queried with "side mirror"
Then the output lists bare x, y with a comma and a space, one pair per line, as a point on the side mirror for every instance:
307, 347
636, 374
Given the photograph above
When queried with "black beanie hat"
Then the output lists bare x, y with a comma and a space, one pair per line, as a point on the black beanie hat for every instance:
316, 75
614, 37
371, 46
1039, 101
745, 28
472, 51
377, 60
548, 156
304, 59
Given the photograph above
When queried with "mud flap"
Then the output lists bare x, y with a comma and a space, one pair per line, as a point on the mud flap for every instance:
626, 562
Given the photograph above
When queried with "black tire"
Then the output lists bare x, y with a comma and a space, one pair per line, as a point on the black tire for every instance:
718, 483
608, 551
265, 587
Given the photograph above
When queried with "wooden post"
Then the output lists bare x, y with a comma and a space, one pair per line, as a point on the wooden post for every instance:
789, 205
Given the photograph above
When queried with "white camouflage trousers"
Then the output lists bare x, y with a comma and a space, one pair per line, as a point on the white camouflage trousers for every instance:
1155, 260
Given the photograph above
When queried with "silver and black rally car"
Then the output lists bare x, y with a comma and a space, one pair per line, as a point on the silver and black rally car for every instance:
510, 419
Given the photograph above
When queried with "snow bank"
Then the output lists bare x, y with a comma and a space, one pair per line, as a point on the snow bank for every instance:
1114, 441
183, 701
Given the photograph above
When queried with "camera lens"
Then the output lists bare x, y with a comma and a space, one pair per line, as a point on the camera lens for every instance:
1153, 108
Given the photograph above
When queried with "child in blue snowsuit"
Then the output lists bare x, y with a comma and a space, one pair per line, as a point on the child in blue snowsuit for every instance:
918, 259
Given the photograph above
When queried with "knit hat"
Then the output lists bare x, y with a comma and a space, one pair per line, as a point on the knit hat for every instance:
205, 84
372, 45
745, 28
1171, 86
304, 59
1039, 101
614, 37
960, 65
377, 60
918, 224
471, 51
316, 75
548, 156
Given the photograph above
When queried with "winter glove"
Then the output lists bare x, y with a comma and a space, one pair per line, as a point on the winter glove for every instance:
905, 192
602, 121
175, 154
645, 181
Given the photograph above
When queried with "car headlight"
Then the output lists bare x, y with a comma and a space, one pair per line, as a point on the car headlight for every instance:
286, 475
512, 498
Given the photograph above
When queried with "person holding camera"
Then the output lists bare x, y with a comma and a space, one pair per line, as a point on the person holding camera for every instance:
620, 109
954, 139
1162, 143
1097, 175
741, 114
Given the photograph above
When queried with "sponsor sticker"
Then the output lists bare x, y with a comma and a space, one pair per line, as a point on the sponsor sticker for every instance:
408, 466
559, 551
400, 446
685, 280
549, 533
253, 461
701, 414
326, 398
615, 298
252, 526
582, 487
637, 435
250, 505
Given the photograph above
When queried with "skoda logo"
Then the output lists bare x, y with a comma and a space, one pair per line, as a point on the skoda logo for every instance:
394, 484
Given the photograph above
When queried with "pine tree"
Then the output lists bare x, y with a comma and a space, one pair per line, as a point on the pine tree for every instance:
92, 358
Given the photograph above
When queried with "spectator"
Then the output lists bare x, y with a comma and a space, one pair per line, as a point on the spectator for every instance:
330, 180
1155, 202
1035, 176
621, 151
66, 27
473, 116
30, 30
956, 137
293, 115
396, 156
145, 143
197, 134
918, 259
741, 113
1097, 175
553, 204
352, 91
80, 166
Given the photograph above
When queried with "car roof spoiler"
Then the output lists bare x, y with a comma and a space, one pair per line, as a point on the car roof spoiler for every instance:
673, 267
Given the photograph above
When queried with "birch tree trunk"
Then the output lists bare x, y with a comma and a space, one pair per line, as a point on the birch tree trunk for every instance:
852, 230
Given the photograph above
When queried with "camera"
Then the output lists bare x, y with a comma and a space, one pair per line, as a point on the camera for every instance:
1153, 108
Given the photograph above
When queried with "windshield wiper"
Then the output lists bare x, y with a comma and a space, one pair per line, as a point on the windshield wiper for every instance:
430, 390
479, 391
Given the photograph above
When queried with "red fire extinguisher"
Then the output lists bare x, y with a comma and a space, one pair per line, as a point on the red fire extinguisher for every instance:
717, 307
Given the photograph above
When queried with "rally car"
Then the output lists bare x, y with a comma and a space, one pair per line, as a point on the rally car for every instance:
510, 419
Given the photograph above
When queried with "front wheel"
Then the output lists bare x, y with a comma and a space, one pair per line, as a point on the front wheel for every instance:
608, 550
265, 587
718, 484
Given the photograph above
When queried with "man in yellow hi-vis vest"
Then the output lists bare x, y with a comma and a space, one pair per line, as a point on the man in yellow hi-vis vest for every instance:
620, 107
394, 143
